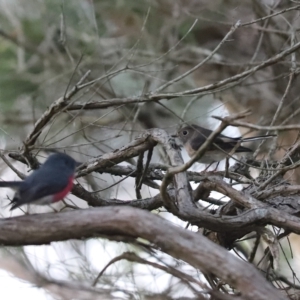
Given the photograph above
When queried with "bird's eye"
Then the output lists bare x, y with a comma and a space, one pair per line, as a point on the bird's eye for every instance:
184, 132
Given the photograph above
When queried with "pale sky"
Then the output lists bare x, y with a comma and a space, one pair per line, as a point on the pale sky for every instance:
12, 288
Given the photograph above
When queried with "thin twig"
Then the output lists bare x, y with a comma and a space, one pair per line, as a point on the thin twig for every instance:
231, 31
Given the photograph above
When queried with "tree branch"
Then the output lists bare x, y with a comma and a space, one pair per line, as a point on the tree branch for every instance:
188, 246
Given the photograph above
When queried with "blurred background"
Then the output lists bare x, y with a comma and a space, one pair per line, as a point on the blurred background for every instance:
132, 48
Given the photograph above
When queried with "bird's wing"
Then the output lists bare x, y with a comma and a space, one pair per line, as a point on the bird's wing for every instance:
221, 141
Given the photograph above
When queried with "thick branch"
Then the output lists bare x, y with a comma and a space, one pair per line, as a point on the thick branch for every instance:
190, 247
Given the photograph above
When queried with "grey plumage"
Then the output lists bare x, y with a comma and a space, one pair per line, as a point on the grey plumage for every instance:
193, 137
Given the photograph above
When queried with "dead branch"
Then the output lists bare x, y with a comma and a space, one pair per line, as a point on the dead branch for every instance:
177, 242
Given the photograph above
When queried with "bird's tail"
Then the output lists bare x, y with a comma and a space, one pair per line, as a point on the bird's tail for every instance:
14, 204
11, 184
257, 138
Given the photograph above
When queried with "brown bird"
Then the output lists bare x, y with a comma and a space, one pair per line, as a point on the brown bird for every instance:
194, 136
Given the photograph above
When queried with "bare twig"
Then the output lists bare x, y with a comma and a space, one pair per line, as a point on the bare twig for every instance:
131, 256
231, 31
296, 7
57, 106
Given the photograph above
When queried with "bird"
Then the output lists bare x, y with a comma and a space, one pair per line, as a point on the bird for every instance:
194, 136
48, 184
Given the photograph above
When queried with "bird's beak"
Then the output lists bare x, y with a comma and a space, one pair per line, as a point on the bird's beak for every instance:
174, 135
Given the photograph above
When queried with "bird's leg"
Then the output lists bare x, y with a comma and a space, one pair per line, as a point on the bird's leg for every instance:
205, 170
217, 165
